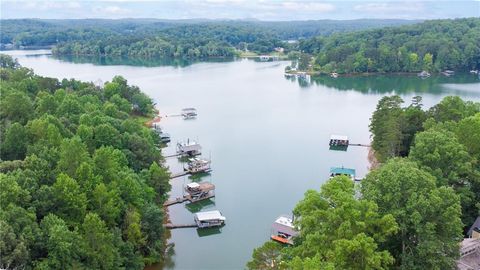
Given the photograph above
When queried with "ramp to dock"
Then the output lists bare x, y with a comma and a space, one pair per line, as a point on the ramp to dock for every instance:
176, 175
175, 201
359, 144
178, 226
172, 155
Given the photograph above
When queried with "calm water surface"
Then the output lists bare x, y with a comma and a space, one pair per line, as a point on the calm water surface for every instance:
266, 135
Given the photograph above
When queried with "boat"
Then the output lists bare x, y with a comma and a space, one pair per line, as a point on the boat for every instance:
199, 191
334, 75
189, 113
474, 71
336, 171
448, 73
424, 74
197, 165
209, 219
301, 75
283, 230
188, 148
164, 137
264, 58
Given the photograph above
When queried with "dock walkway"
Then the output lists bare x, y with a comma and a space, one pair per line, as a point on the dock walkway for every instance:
176, 175
359, 144
186, 198
172, 155
175, 201
177, 226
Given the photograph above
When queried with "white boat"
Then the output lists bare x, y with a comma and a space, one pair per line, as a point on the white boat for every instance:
264, 58
189, 148
189, 113
474, 71
448, 73
164, 137
209, 219
334, 75
423, 74
197, 165
283, 230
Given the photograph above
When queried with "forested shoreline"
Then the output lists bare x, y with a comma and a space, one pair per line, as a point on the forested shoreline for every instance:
82, 180
432, 46
409, 213
193, 39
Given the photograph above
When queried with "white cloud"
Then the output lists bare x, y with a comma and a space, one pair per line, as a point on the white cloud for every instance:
394, 7
110, 10
46, 5
308, 6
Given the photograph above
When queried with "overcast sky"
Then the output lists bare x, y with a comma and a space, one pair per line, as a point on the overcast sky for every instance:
239, 9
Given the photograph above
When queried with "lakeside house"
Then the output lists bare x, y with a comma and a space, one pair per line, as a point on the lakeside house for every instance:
470, 249
283, 230
474, 231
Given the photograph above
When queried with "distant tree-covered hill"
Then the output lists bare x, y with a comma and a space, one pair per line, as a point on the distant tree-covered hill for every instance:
432, 46
170, 38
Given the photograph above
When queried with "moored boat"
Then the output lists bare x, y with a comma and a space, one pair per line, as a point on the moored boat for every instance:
197, 165
189, 148
189, 113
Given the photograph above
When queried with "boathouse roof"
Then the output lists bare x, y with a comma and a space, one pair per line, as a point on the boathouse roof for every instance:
193, 185
209, 215
342, 170
339, 137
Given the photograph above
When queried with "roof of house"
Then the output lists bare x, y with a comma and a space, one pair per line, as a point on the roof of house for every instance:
476, 224
209, 215
342, 170
286, 221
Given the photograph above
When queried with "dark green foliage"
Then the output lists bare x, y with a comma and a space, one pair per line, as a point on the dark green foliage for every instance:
75, 187
443, 141
337, 231
406, 214
428, 217
432, 45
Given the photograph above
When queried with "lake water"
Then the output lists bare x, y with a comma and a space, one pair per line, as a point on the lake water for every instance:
267, 136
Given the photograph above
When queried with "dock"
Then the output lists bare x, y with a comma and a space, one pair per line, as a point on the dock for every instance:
180, 174
172, 155
175, 201
178, 226
359, 144
187, 198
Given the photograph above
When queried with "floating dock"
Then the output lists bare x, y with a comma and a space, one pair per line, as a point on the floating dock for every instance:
195, 192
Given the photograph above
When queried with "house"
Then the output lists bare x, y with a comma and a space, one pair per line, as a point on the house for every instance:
474, 231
